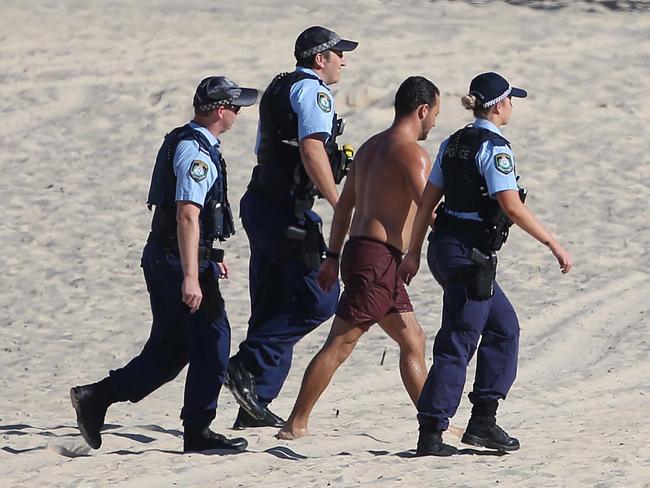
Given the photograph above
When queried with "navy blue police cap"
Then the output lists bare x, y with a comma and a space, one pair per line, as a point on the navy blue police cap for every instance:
491, 88
318, 39
214, 91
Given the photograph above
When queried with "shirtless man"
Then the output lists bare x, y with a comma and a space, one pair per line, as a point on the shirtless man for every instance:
385, 185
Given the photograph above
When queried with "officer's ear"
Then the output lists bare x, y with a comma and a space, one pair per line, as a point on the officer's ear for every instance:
498, 107
319, 59
219, 111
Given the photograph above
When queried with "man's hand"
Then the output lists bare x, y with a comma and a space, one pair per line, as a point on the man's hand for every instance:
409, 268
223, 270
192, 294
328, 274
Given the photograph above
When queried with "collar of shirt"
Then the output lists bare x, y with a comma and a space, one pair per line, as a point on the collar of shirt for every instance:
210, 136
486, 124
310, 71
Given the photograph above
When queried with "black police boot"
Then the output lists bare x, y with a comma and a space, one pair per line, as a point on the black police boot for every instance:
483, 431
204, 440
244, 420
90, 402
430, 444
242, 386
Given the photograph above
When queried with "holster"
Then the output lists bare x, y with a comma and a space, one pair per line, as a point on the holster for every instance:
305, 240
478, 278
212, 304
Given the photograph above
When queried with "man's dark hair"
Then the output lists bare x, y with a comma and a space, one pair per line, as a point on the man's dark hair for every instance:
307, 62
413, 92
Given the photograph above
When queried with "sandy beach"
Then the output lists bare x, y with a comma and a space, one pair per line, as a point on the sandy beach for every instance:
88, 90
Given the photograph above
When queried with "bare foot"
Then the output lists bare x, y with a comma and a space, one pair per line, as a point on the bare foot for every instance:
289, 433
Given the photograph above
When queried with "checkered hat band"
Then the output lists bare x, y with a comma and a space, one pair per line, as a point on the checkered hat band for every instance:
212, 105
498, 99
320, 48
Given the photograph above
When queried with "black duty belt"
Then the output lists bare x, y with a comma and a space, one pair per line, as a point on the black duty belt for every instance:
472, 228
170, 245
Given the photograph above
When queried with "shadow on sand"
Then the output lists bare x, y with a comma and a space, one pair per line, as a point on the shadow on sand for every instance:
59, 441
461, 452
617, 5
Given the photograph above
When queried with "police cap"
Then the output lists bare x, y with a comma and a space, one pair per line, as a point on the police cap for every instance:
491, 88
317, 39
219, 90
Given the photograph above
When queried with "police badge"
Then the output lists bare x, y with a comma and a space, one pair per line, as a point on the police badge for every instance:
198, 170
324, 102
503, 162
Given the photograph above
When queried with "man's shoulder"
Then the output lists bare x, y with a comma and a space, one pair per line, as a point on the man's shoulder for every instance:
188, 151
407, 152
306, 81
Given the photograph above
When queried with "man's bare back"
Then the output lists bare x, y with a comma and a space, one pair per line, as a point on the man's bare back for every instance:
388, 170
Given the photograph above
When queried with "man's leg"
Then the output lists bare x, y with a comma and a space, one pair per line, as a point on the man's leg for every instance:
286, 302
208, 352
208, 335
268, 347
306, 308
404, 329
161, 359
340, 343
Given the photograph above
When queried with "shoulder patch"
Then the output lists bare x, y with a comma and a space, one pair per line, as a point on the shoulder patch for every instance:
198, 170
503, 162
324, 102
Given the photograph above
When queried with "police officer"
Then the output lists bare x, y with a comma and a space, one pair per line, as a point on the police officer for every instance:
297, 158
475, 170
182, 269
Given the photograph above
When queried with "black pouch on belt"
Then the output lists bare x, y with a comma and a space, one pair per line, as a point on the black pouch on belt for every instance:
307, 241
212, 304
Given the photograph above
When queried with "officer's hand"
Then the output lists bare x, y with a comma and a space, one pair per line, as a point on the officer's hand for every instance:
192, 294
409, 268
328, 274
563, 257
223, 270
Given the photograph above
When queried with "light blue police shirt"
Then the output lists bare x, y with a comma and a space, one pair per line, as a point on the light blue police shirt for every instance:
313, 102
195, 172
487, 163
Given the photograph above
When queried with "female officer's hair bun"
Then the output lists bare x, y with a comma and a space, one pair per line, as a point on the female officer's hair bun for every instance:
470, 102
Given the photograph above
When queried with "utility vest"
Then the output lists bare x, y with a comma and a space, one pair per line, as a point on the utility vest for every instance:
215, 218
280, 174
466, 189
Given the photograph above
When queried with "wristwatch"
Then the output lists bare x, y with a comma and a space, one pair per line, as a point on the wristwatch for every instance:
332, 255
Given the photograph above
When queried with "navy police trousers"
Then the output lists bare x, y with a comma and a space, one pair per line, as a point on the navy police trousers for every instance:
286, 301
177, 338
465, 321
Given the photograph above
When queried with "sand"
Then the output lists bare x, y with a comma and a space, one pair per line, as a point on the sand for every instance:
88, 89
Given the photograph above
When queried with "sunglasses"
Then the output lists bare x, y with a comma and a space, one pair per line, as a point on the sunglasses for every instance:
337, 52
233, 108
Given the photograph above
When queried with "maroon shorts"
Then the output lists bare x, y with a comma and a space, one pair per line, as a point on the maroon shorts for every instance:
373, 288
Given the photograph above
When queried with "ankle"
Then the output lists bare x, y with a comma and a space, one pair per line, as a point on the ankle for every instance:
106, 391
484, 408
